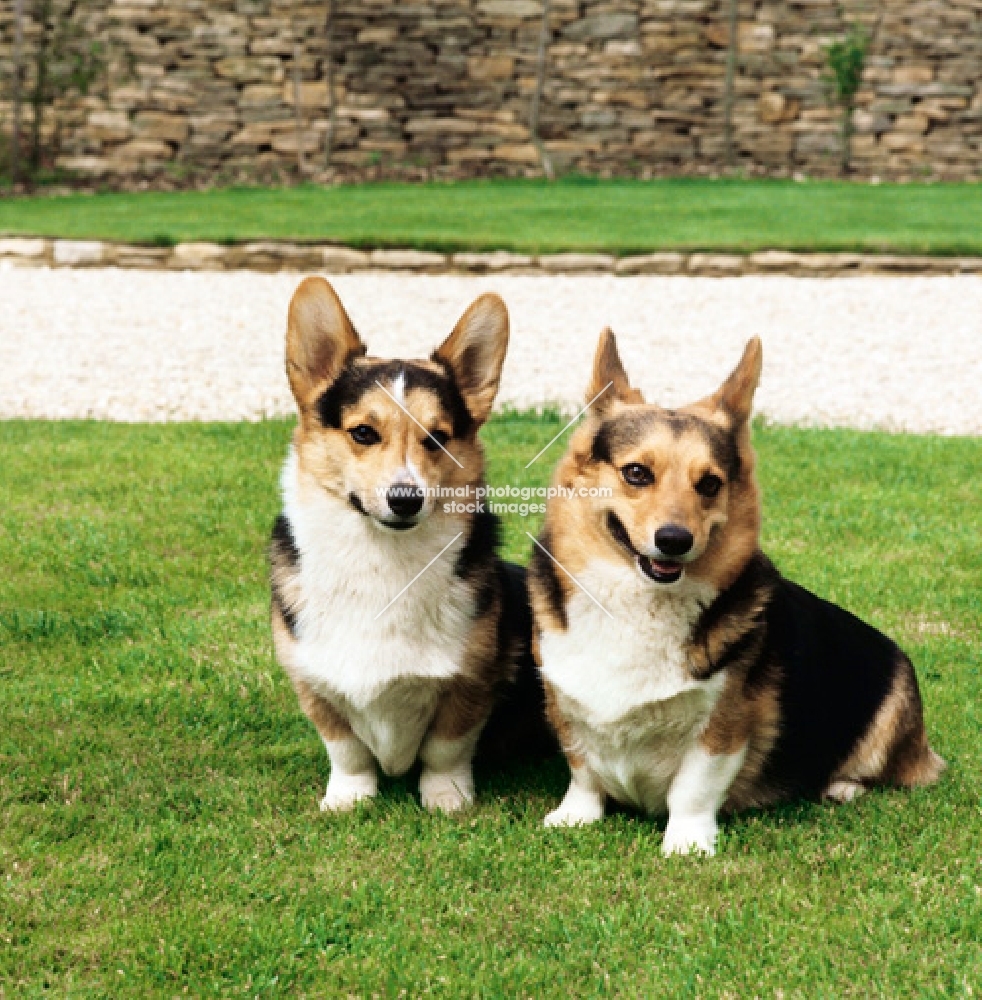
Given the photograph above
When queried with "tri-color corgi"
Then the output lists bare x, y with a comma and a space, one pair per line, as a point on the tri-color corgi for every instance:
392, 614
683, 673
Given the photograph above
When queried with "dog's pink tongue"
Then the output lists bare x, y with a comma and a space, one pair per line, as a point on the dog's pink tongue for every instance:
664, 567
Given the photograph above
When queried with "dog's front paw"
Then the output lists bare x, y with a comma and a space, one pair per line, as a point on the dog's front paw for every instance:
843, 791
578, 808
691, 835
448, 793
344, 792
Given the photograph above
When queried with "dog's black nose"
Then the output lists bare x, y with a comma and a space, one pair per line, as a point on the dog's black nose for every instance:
404, 501
673, 539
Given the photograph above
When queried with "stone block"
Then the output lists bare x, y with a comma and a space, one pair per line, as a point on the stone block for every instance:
444, 126
271, 256
892, 264
140, 150
109, 126
715, 264
377, 36
773, 108
902, 142
913, 74
407, 260
490, 67
136, 256
603, 26
510, 8
312, 95
651, 263
23, 248
918, 124
199, 256
755, 37
78, 253
520, 153
164, 127
342, 259
499, 260
85, 166
288, 143
563, 263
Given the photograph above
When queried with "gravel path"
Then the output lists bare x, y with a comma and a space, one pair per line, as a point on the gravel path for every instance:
896, 353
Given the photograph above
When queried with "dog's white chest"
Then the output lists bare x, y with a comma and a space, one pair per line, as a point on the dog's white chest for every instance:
621, 680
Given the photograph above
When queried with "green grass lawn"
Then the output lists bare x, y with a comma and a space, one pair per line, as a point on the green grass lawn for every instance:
619, 216
159, 830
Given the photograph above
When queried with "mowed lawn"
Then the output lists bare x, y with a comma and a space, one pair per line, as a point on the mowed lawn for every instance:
159, 830
617, 216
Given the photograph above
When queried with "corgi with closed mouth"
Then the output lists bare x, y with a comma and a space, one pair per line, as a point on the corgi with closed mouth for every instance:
683, 674
395, 620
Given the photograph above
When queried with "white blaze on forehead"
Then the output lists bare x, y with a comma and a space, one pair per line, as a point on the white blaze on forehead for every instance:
399, 388
409, 472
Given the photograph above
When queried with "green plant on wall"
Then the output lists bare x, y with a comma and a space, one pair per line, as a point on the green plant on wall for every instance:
845, 61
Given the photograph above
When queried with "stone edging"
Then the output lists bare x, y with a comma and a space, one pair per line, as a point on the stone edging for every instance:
270, 256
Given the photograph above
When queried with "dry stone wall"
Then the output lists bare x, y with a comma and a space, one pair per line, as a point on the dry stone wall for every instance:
210, 88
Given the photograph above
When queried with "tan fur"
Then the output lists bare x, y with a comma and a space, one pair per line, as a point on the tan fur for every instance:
333, 459
327, 720
474, 357
894, 749
319, 339
609, 382
745, 720
467, 699
677, 464
560, 725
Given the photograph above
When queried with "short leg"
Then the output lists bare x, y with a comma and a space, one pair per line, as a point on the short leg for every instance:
447, 781
694, 798
353, 775
583, 802
447, 753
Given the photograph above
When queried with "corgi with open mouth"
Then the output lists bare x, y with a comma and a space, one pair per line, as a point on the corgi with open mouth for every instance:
683, 674
392, 614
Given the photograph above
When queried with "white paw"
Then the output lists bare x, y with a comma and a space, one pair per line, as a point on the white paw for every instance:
578, 808
843, 791
344, 792
447, 793
691, 835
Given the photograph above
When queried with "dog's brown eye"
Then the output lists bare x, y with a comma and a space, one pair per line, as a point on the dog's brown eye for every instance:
637, 475
709, 486
436, 440
363, 434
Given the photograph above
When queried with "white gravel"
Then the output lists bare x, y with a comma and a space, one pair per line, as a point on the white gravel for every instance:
895, 353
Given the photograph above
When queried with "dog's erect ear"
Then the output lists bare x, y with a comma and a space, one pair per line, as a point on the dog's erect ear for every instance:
319, 340
736, 395
475, 352
609, 381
